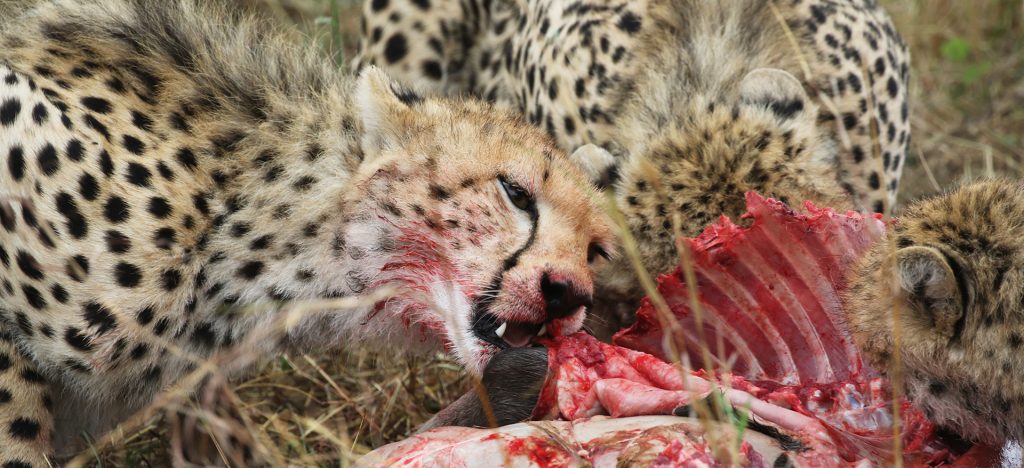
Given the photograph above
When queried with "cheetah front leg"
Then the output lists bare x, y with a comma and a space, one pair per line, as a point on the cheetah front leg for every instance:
429, 45
26, 423
214, 431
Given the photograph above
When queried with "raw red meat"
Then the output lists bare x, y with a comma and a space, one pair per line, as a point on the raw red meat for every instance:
656, 441
838, 422
769, 292
770, 302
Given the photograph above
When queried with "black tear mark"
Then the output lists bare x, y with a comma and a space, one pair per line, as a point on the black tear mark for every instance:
484, 304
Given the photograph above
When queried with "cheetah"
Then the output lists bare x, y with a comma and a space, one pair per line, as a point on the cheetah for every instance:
950, 273
696, 102
176, 179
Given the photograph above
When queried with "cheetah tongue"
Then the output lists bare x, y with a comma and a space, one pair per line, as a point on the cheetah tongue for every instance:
770, 293
517, 335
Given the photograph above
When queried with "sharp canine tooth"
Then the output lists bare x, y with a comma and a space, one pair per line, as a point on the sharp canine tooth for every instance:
543, 329
501, 329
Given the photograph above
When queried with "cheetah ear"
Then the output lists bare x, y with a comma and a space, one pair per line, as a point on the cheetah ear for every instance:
775, 89
927, 282
597, 164
384, 107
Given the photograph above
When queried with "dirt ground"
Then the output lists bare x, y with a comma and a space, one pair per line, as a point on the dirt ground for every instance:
968, 123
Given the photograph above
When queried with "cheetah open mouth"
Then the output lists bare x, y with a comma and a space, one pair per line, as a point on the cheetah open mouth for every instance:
505, 334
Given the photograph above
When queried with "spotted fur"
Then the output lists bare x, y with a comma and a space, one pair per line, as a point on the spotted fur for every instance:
696, 101
175, 179
950, 274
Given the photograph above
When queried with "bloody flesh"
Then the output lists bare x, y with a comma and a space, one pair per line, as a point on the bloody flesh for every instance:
769, 295
598, 442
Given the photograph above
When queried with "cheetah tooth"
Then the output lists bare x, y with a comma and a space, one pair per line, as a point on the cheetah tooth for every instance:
501, 329
543, 329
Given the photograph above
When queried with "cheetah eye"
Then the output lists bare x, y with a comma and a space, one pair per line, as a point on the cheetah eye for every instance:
519, 197
594, 251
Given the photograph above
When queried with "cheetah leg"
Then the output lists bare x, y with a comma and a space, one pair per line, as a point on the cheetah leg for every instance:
429, 49
213, 430
26, 423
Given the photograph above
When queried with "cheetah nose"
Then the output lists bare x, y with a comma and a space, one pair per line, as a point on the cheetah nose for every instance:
560, 298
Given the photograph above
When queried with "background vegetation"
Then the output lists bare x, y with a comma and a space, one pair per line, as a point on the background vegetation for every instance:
968, 122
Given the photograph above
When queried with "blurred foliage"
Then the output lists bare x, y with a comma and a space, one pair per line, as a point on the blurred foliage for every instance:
956, 49
967, 76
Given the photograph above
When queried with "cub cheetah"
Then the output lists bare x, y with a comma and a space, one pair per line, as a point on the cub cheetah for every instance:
696, 101
175, 179
951, 271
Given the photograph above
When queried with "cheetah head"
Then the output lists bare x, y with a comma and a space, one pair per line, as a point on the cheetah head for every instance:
488, 232
950, 274
763, 137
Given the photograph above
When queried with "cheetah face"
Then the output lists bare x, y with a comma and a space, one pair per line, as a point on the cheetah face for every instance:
491, 233
540, 283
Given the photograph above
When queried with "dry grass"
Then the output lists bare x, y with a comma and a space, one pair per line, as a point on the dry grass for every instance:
967, 84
